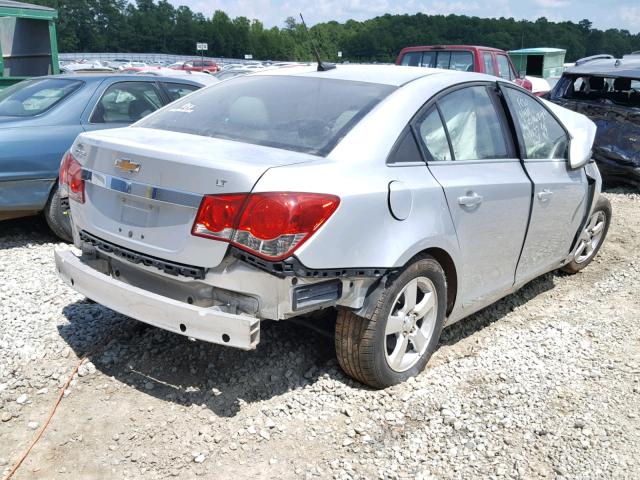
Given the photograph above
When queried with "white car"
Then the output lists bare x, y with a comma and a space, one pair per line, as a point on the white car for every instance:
405, 198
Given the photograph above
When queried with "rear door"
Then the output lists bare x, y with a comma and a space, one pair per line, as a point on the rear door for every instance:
560, 194
470, 152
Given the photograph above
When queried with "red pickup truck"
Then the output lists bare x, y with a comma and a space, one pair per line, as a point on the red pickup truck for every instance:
466, 58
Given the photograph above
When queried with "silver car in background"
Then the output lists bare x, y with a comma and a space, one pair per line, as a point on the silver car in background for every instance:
405, 198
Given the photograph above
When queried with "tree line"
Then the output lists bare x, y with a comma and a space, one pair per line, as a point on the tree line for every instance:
147, 26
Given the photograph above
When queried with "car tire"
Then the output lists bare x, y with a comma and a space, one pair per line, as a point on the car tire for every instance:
591, 238
371, 351
58, 221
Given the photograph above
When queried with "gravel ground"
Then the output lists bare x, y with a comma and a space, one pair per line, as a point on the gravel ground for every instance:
544, 384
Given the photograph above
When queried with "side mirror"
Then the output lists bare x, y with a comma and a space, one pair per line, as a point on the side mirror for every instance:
579, 152
582, 133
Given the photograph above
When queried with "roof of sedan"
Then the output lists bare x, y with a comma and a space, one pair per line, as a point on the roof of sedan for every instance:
98, 77
384, 74
625, 67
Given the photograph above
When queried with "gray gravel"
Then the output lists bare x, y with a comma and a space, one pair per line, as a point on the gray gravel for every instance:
544, 384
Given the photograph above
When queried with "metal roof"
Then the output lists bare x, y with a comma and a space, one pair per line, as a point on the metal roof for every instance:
537, 51
628, 67
26, 6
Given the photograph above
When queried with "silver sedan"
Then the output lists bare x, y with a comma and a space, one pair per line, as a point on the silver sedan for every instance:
405, 199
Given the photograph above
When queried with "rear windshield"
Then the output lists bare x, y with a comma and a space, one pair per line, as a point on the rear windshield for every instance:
305, 114
33, 97
595, 88
448, 59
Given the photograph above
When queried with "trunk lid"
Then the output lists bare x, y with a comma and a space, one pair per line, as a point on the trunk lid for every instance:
146, 185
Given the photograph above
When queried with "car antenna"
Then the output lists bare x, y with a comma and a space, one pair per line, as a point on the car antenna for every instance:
322, 66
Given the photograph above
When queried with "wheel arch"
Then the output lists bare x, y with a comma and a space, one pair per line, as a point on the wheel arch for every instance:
450, 273
439, 255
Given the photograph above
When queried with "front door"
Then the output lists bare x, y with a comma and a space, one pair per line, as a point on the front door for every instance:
470, 153
560, 194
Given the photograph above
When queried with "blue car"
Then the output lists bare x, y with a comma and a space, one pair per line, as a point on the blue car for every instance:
41, 117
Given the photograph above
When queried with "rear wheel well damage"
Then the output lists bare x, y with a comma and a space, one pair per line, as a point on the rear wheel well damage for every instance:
378, 287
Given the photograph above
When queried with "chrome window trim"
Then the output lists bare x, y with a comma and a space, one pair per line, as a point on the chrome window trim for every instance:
142, 190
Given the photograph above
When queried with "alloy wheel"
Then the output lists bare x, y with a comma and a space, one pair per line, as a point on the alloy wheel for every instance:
411, 323
591, 237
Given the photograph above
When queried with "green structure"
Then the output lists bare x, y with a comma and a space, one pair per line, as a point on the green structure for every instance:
539, 62
27, 41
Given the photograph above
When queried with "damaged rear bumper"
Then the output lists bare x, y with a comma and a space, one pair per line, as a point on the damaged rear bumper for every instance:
203, 323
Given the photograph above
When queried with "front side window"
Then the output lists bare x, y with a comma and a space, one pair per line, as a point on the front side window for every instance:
504, 68
126, 102
33, 97
474, 125
543, 136
306, 114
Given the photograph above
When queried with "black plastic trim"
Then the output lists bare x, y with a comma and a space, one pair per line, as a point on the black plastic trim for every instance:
175, 269
292, 267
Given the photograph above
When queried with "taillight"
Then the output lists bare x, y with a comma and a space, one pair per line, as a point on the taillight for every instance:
71, 177
218, 215
270, 225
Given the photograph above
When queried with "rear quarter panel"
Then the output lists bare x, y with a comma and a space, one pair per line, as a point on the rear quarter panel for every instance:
362, 232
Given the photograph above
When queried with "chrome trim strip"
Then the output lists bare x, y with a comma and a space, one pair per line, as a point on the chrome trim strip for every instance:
142, 190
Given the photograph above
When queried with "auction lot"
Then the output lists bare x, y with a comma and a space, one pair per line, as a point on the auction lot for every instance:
543, 384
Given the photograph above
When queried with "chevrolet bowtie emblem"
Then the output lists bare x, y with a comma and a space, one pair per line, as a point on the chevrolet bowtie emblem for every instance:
127, 165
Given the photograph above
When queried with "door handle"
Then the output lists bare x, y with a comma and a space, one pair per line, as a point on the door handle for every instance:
470, 200
545, 195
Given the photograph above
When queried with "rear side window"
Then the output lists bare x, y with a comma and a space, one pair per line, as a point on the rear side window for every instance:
473, 124
126, 102
178, 90
306, 114
487, 58
434, 137
406, 151
543, 136
33, 97
504, 68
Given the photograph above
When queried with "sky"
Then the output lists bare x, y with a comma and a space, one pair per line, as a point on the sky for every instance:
623, 14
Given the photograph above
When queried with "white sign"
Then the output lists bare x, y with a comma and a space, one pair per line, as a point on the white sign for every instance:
339, 54
202, 46
248, 56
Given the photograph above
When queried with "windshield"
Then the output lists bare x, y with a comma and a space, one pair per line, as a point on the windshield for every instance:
33, 97
305, 114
